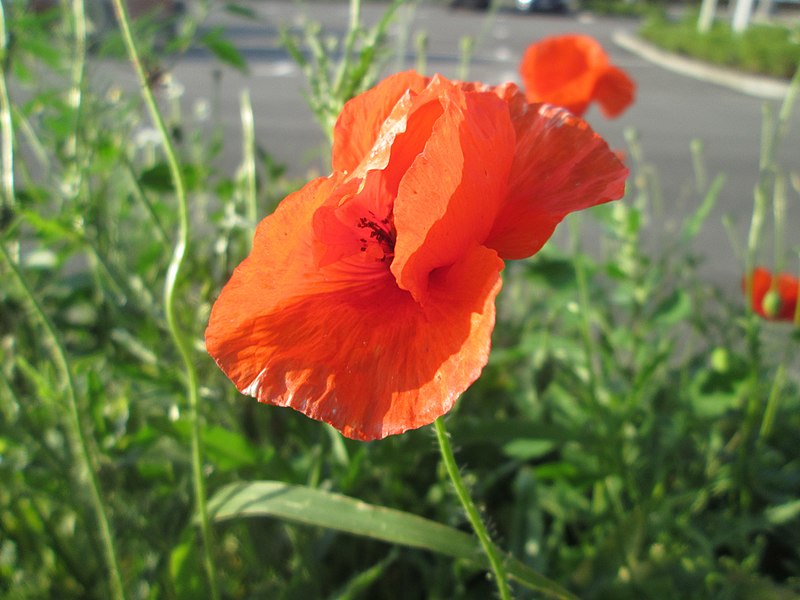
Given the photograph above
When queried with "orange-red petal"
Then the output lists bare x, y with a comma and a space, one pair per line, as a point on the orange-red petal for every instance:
782, 306
560, 165
363, 117
614, 91
572, 71
367, 301
344, 344
449, 196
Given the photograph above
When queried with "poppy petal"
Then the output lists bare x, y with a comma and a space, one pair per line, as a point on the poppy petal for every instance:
363, 116
281, 244
334, 355
614, 92
560, 165
785, 287
367, 301
572, 71
562, 70
449, 196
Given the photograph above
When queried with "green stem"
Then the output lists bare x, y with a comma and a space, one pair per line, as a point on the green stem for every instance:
421, 43
249, 162
7, 142
353, 32
779, 216
86, 474
77, 79
583, 299
466, 46
180, 338
25, 130
797, 307
768, 420
140, 195
492, 554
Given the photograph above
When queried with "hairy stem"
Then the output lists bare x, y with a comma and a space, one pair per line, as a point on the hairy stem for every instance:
492, 554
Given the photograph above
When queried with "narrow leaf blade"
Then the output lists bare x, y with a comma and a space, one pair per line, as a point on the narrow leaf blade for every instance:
342, 513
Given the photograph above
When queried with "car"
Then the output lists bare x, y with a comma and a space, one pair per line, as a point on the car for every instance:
554, 6
474, 4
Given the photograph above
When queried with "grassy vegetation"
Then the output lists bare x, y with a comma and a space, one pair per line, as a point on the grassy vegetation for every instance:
620, 8
766, 49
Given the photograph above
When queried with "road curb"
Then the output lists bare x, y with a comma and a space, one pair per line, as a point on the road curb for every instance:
752, 85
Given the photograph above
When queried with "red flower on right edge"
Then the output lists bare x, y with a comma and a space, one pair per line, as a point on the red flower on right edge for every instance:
572, 71
774, 297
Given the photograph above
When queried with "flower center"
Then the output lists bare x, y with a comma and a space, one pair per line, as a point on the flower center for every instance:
379, 237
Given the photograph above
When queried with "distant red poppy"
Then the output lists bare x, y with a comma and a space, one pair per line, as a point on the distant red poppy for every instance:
572, 71
367, 301
774, 297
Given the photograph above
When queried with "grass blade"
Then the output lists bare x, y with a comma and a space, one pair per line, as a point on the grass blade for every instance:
310, 506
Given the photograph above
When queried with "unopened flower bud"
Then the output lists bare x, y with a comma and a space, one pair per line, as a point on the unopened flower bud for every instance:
772, 303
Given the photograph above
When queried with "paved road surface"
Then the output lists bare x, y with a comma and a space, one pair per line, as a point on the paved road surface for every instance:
671, 110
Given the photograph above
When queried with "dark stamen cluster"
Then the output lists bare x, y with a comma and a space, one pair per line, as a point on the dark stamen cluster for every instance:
380, 230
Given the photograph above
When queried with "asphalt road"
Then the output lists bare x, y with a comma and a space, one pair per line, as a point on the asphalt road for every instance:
670, 111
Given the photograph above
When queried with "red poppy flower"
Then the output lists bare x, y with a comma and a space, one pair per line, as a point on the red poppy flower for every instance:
367, 301
572, 71
774, 297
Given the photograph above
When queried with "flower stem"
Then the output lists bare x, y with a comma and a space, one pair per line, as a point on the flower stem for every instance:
79, 441
249, 163
495, 560
796, 319
768, 420
585, 311
7, 176
179, 337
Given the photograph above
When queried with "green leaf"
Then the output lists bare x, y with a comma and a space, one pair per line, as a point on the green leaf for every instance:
228, 450
341, 513
783, 513
673, 309
357, 586
527, 449
186, 580
223, 49
555, 272
240, 10
157, 178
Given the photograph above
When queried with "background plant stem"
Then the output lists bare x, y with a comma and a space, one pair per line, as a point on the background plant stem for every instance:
249, 162
79, 441
5, 120
180, 338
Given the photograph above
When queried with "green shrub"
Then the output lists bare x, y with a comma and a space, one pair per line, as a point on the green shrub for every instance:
766, 49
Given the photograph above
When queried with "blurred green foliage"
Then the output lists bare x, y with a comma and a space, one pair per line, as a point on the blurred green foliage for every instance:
768, 49
617, 441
